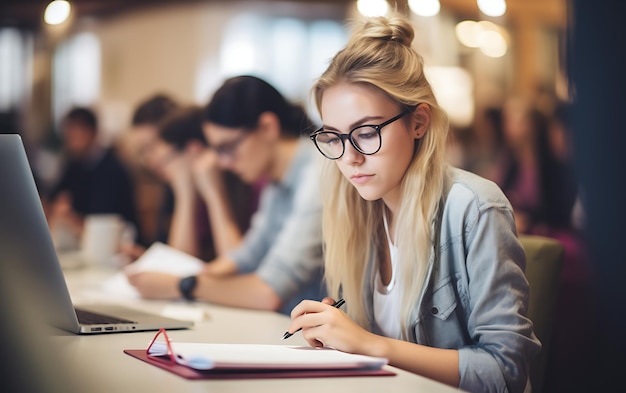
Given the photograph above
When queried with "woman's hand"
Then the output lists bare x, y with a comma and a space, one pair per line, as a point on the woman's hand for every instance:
177, 172
206, 172
324, 325
154, 285
130, 252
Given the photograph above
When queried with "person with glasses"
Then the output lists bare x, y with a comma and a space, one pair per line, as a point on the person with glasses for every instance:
254, 132
425, 255
172, 157
163, 143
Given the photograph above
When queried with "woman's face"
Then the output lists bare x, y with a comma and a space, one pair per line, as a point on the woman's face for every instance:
346, 106
138, 143
243, 152
157, 155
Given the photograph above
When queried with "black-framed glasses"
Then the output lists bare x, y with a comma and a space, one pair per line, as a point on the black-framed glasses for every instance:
227, 149
365, 138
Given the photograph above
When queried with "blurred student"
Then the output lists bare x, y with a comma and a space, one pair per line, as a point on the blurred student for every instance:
153, 196
172, 156
94, 180
255, 132
145, 122
485, 143
560, 186
518, 169
425, 255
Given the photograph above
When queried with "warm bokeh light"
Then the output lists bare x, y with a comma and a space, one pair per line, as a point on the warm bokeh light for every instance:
425, 7
57, 12
491, 39
467, 33
372, 7
492, 43
492, 7
454, 90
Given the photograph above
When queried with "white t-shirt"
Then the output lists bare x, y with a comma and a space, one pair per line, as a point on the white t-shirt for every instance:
387, 298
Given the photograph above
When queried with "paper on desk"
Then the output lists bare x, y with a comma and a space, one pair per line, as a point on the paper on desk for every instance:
206, 356
158, 257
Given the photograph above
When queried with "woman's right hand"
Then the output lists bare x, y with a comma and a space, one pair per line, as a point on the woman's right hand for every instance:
324, 325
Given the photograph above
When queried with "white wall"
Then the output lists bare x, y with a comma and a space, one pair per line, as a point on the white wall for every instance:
176, 49
157, 50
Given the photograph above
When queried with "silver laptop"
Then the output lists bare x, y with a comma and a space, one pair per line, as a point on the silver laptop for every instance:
26, 246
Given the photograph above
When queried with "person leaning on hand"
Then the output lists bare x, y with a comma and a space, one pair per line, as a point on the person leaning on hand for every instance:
255, 133
173, 156
426, 256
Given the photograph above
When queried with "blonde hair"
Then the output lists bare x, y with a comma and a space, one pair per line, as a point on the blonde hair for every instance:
379, 54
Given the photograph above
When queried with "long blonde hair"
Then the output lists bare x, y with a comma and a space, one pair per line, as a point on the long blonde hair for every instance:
379, 54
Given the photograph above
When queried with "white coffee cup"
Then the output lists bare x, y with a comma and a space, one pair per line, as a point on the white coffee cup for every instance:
102, 234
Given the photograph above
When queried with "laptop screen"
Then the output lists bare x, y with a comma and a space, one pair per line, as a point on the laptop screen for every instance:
26, 247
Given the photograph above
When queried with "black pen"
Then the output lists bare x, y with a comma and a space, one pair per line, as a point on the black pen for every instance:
337, 304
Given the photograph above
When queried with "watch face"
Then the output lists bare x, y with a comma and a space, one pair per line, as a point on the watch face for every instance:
186, 287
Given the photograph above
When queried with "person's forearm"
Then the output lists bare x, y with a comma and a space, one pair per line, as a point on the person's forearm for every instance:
75, 223
226, 233
182, 231
246, 291
435, 363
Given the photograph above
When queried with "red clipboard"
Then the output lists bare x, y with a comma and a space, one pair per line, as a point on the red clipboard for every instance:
165, 363
168, 363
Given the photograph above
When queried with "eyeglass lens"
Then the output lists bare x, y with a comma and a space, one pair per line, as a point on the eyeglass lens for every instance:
365, 139
227, 149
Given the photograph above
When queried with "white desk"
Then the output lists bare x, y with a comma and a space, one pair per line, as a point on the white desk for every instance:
99, 365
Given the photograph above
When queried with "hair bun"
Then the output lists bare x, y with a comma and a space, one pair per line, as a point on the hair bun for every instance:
389, 29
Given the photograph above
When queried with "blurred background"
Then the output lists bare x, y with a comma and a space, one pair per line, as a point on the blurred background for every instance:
499, 68
110, 54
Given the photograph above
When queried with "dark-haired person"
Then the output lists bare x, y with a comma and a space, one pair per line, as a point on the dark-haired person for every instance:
145, 121
153, 196
256, 133
172, 156
93, 181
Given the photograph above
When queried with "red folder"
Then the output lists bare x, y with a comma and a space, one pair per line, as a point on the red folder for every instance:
166, 363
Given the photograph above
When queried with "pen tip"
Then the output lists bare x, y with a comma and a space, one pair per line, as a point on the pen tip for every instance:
286, 335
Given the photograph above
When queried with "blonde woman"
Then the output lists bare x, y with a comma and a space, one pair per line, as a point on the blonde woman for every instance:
425, 255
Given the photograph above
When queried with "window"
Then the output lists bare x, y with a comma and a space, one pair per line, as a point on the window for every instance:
15, 51
75, 74
288, 52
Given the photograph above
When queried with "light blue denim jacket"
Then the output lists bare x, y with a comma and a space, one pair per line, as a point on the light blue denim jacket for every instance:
284, 243
475, 296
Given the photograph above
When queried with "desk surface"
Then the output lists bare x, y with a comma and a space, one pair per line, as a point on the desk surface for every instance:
99, 365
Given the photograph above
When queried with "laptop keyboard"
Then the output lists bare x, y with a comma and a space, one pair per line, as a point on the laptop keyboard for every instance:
91, 318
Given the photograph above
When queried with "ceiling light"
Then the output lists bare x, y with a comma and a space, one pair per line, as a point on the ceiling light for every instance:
372, 7
492, 7
57, 12
425, 7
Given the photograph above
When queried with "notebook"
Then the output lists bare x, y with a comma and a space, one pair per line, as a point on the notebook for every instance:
198, 360
26, 244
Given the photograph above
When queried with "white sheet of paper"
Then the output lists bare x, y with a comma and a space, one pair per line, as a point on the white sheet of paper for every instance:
158, 257
206, 356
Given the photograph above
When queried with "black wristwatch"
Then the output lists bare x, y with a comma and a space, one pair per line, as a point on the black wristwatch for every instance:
186, 287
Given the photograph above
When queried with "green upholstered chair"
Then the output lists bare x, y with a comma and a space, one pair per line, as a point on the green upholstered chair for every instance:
544, 261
